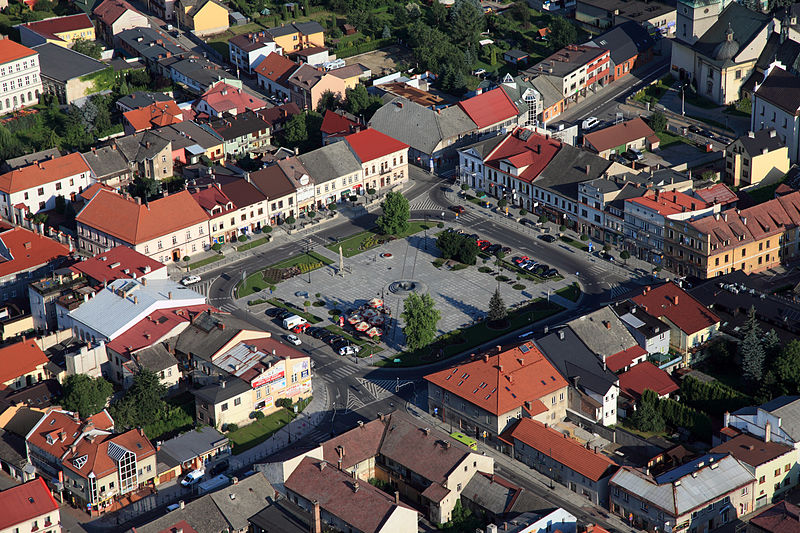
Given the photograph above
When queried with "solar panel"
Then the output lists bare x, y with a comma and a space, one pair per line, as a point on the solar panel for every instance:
524, 348
116, 451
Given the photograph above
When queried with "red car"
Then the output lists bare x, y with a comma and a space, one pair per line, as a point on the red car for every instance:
459, 209
300, 328
484, 244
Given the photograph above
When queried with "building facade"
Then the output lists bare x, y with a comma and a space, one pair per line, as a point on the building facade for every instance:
20, 82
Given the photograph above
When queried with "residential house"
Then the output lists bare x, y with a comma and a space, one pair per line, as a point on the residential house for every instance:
163, 9
298, 35
500, 500
645, 375
655, 17
28, 159
44, 295
273, 74
109, 167
307, 85
335, 171
194, 449
755, 157
201, 17
316, 56
691, 324
647, 216
752, 239
538, 99
506, 166
485, 395
384, 160
630, 44
336, 125
515, 57
717, 45
279, 190
594, 388
773, 464
149, 44
196, 73
209, 335
35, 188
278, 116
222, 98
577, 67
562, 459
302, 182
115, 16
248, 50
68, 75
165, 229
619, 138
706, 493
242, 133
147, 154
153, 116
782, 517
23, 364
119, 262
650, 333
351, 75
191, 141
101, 470
773, 421
62, 31
20, 85
139, 99
491, 111
26, 255
30, 507
219, 208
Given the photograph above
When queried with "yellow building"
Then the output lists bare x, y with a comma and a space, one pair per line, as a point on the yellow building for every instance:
22, 364
63, 31
202, 17
755, 157
298, 35
773, 464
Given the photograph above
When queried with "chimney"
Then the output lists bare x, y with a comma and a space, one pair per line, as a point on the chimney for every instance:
139, 200
322, 465
588, 169
427, 431
608, 324
222, 384
486, 358
768, 432
561, 334
751, 134
181, 504
397, 497
170, 295
235, 480
499, 348
355, 486
675, 299
316, 523
144, 282
221, 325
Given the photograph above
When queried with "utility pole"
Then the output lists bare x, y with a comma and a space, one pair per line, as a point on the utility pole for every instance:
308, 253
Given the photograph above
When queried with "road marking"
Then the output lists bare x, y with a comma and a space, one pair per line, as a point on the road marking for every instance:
229, 307
382, 388
354, 403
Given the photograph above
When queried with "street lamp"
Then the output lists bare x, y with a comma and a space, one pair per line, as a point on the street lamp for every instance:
683, 86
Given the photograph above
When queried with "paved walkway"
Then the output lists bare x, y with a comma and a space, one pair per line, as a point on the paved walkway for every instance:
672, 101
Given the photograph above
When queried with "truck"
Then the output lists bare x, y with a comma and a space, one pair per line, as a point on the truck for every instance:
213, 484
293, 321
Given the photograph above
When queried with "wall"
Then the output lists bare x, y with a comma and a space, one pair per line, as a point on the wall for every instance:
211, 19
767, 115
16, 326
772, 165
87, 360
23, 94
46, 523
277, 473
387, 170
33, 198
779, 476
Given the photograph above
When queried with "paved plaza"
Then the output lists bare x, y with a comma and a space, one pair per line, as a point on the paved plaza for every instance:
461, 296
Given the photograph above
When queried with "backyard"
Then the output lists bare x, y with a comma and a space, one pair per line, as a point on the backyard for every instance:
251, 435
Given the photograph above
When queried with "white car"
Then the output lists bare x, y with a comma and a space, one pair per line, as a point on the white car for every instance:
294, 340
351, 349
190, 280
193, 477
589, 123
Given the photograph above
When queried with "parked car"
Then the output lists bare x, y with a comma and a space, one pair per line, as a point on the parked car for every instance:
190, 280
493, 249
458, 209
551, 273
317, 333
293, 339
274, 311
530, 264
283, 314
300, 328
590, 123
547, 238
349, 349
634, 154
193, 477
220, 467
602, 254
506, 249
527, 222
519, 260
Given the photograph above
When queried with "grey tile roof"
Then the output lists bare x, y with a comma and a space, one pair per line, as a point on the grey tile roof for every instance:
155, 358
788, 409
216, 392
105, 161
330, 162
602, 332
699, 483
308, 28
762, 139
574, 359
624, 41
548, 87
62, 64
149, 43
484, 147
193, 443
188, 133
27, 159
142, 146
283, 516
208, 334
568, 168
138, 99
745, 23
233, 127
420, 127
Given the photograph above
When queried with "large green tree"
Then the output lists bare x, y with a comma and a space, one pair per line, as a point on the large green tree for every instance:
497, 307
396, 211
87, 48
420, 316
143, 403
561, 33
751, 349
86, 395
466, 24
787, 368
295, 132
647, 416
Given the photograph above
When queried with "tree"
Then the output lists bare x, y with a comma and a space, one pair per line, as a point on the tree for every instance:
143, 403
145, 188
295, 132
139, 78
520, 12
438, 14
647, 416
561, 33
102, 121
751, 349
658, 122
394, 219
420, 316
357, 99
87, 48
497, 308
787, 368
466, 24
387, 33
86, 395
468, 251
328, 100
772, 345
625, 255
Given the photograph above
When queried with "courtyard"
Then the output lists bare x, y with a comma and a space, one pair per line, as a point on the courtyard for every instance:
461, 294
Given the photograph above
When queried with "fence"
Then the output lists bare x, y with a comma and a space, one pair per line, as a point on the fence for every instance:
352, 49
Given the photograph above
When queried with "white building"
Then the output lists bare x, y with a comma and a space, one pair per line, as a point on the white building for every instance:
35, 188
249, 49
20, 83
776, 104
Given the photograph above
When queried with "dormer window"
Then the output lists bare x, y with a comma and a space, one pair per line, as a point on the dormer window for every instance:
78, 462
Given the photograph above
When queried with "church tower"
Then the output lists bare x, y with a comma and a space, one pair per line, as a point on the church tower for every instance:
695, 17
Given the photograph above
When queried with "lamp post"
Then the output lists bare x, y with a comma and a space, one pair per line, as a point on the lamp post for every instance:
683, 86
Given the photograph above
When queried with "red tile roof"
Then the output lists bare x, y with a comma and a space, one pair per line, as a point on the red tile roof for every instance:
371, 144
333, 123
108, 266
504, 381
110, 10
782, 517
182, 525
212, 197
23, 503
719, 193
154, 328
529, 155
752, 451
277, 68
50, 27
646, 376
96, 450
365, 509
28, 250
279, 114
620, 360
47, 171
63, 424
154, 116
224, 97
89, 192
679, 307
11, 51
618, 134
133, 223
667, 203
561, 448
489, 108
356, 445
18, 359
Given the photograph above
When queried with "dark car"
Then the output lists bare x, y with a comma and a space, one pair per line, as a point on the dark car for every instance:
473, 236
527, 222
283, 313
493, 249
274, 311
551, 273
334, 339
694, 128
219, 468
339, 344
540, 270
458, 209
547, 238
317, 333
506, 249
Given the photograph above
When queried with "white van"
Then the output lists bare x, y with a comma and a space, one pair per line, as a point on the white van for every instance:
292, 321
589, 123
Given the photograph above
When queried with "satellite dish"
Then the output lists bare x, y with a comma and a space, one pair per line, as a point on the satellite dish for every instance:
303, 180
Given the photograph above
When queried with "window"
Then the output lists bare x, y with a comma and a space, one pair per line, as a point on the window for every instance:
225, 406
777, 472
174, 239
744, 490
58, 185
40, 191
237, 401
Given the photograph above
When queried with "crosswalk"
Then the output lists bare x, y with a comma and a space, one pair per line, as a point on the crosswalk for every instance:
618, 290
337, 374
229, 307
317, 435
382, 388
424, 204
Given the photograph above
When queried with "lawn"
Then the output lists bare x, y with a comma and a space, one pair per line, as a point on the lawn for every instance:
258, 281
366, 240
763, 194
669, 139
206, 261
252, 244
459, 341
653, 93
580, 245
178, 419
251, 435
570, 292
